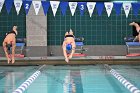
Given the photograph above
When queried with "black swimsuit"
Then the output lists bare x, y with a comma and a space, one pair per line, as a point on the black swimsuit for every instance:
69, 36
11, 32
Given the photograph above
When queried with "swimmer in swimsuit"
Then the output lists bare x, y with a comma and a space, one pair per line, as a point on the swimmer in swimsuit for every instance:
10, 43
69, 45
137, 29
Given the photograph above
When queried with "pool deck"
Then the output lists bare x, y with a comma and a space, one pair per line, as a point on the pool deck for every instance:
59, 60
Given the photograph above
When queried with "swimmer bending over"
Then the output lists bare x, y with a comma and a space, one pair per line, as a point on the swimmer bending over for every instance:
69, 45
137, 29
10, 42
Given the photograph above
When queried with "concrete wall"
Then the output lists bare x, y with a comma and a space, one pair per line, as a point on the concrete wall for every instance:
36, 33
93, 50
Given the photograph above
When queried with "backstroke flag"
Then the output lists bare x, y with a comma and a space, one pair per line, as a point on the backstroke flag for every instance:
108, 6
36, 5
1, 4
27, 5
54, 5
45, 5
99, 7
90, 6
18, 4
136, 8
82, 6
126, 7
117, 7
8, 4
73, 6
63, 7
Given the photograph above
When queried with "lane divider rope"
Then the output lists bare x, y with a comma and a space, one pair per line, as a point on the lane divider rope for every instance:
28, 82
124, 82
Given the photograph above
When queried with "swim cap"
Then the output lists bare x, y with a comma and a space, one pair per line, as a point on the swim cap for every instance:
68, 46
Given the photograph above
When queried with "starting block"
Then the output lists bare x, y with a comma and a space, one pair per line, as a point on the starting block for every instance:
18, 56
133, 46
80, 45
78, 55
133, 54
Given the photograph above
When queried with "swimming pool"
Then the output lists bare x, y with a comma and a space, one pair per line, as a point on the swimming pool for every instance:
69, 79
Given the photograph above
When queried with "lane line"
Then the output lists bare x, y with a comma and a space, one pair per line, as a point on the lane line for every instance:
29, 81
122, 80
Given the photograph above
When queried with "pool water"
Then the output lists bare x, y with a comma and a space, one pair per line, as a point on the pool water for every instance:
69, 79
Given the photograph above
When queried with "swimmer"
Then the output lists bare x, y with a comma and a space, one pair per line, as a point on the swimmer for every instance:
69, 45
137, 29
10, 43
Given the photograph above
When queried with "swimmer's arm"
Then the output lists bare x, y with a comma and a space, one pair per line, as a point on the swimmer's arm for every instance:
64, 50
5, 50
73, 50
63, 45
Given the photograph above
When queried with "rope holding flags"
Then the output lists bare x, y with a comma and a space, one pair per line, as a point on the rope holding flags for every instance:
82, 7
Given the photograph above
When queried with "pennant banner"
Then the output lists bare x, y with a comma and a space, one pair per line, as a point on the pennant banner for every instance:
117, 7
135, 7
127, 7
108, 6
54, 5
27, 5
1, 4
36, 5
18, 4
8, 4
73, 6
82, 6
63, 7
99, 7
90, 6
45, 5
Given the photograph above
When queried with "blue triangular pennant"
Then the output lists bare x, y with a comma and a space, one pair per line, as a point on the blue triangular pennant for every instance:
135, 8
8, 4
27, 5
99, 7
82, 6
118, 7
45, 5
63, 7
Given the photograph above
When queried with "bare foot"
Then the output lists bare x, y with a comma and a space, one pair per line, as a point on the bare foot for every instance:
13, 61
8, 61
131, 24
70, 56
67, 60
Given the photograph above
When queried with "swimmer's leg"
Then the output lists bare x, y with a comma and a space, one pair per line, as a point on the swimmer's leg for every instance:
139, 36
6, 53
13, 52
70, 32
73, 50
65, 52
136, 38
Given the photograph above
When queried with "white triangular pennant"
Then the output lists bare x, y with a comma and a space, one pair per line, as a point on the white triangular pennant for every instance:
1, 4
54, 5
72, 6
126, 7
108, 6
91, 6
18, 4
37, 5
